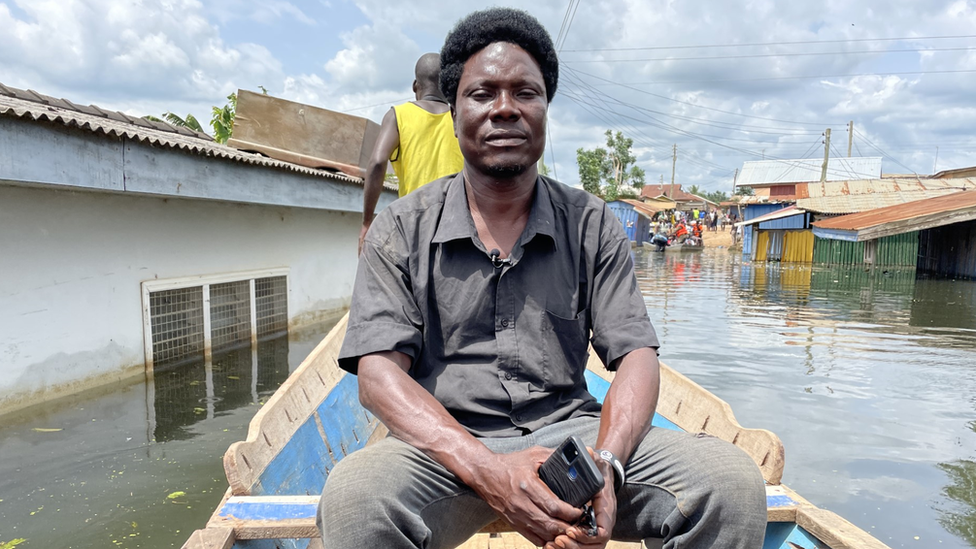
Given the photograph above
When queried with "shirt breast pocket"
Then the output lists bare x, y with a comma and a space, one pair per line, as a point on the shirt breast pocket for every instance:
565, 342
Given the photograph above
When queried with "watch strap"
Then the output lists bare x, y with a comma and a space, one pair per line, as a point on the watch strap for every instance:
618, 468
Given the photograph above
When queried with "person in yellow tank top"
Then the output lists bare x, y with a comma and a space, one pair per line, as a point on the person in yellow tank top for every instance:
417, 137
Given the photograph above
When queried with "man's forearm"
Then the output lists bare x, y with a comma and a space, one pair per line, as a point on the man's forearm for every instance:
372, 187
414, 416
630, 403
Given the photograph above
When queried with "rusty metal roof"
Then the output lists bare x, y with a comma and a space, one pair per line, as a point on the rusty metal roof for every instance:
648, 209
844, 197
655, 191
802, 170
911, 216
36, 107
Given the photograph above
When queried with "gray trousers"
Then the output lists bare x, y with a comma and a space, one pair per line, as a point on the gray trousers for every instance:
688, 491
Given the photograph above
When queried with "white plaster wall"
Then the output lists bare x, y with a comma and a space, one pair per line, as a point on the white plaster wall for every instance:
71, 265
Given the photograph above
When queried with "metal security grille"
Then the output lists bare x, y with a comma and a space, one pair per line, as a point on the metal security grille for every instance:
271, 303
176, 318
230, 314
195, 317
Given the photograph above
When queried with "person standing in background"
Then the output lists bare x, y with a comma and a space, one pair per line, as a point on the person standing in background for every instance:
417, 137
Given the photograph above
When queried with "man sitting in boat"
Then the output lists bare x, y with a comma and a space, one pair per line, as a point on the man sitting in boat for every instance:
474, 303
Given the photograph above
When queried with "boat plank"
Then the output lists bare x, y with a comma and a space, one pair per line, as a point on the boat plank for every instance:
284, 413
211, 538
258, 517
834, 530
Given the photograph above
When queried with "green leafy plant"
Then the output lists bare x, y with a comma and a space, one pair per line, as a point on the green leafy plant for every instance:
610, 171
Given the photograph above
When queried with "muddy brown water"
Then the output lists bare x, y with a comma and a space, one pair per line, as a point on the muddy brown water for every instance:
869, 378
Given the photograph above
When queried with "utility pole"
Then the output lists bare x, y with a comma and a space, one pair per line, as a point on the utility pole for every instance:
734, 179
850, 137
823, 170
674, 162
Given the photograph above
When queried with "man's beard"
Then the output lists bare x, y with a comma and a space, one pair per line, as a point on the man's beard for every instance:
505, 171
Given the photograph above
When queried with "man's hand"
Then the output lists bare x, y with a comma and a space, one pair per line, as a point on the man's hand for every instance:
510, 484
605, 507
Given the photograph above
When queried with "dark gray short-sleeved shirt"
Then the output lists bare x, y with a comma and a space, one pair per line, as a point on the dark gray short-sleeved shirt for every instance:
503, 349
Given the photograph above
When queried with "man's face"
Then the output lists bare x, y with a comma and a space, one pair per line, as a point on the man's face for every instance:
500, 112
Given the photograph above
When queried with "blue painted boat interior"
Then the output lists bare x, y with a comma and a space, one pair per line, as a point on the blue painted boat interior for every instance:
299, 469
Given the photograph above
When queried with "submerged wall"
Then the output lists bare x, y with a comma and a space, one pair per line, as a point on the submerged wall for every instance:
71, 311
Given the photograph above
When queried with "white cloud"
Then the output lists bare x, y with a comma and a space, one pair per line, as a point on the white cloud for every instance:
163, 49
184, 55
376, 56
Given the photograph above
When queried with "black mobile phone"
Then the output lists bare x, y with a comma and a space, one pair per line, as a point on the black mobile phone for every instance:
571, 473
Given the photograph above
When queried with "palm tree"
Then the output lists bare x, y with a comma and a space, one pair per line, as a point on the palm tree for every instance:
176, 120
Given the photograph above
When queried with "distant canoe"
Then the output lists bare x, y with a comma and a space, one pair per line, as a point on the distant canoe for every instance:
315, 419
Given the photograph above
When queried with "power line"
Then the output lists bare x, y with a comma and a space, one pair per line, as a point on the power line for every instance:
397, 101
602, 115
789, 162
701, 106
743, 128
673, 129
811, 76
838, 41
567, 22
877, 148
761, 55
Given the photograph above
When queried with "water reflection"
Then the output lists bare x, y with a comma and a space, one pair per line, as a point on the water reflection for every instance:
868, 376
962, 490
95, 470
188, 394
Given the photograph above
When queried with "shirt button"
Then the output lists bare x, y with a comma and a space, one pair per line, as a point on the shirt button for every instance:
504, 323
508, 376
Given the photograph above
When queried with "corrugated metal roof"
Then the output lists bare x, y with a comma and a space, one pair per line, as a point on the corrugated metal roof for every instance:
844, 197
648, 209
788, 211
912, 216
771, 172
940, 205
654, 191
30, 105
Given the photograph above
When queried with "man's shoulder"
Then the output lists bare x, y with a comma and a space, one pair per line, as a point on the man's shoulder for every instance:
564, 195
430, 194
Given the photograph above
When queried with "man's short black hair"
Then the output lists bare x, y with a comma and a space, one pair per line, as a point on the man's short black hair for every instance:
481, 28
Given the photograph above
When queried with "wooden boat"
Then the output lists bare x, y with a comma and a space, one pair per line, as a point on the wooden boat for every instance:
314, 419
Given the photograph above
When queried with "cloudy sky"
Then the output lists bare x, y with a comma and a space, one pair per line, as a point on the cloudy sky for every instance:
726, 81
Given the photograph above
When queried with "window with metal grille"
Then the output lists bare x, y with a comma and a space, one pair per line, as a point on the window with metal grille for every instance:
177, 324
271, 302
191, 318
230, 314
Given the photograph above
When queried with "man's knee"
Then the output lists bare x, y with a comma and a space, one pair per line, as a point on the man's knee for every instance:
733, 479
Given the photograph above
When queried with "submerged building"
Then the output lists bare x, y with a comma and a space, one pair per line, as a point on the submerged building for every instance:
128, 244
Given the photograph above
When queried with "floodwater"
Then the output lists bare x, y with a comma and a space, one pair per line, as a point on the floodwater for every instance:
869, 378
136, 465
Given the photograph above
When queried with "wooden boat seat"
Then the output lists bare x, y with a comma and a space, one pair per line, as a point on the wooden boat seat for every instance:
250, 517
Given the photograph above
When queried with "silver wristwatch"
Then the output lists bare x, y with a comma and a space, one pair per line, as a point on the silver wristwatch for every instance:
618, 468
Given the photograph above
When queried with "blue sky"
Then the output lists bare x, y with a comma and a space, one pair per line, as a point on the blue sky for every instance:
727, 81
